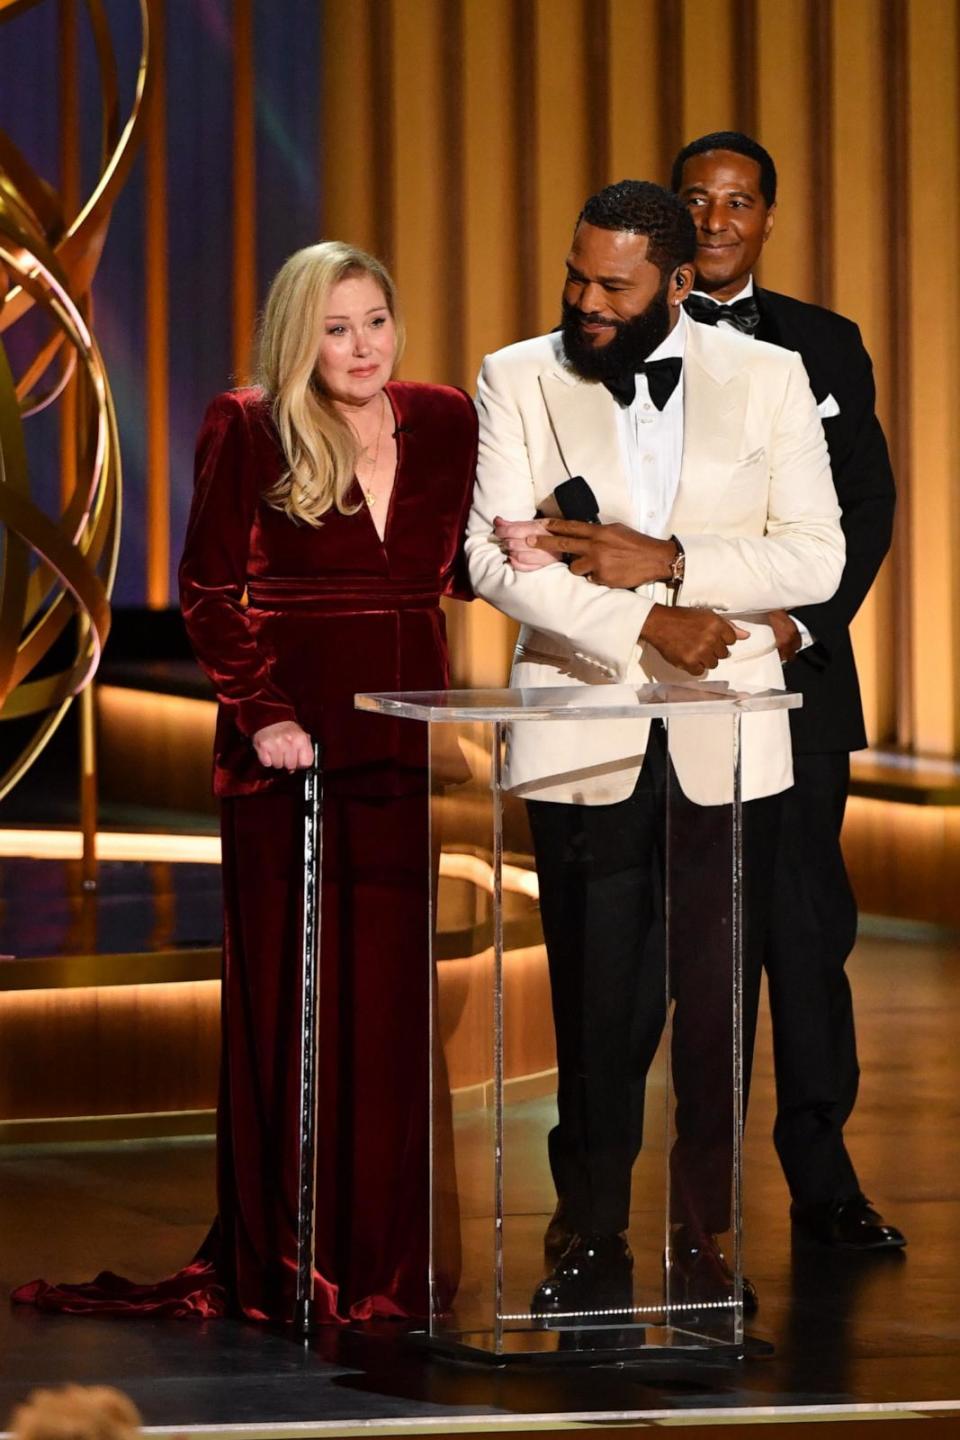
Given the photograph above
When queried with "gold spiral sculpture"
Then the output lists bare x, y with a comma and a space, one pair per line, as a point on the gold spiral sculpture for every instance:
58, 569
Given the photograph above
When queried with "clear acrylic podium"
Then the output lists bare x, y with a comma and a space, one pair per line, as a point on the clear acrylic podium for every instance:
495, 1137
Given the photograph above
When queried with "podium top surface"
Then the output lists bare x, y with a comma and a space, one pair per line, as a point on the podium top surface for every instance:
577, 702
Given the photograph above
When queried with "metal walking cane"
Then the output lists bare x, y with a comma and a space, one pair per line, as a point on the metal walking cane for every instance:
309, 1012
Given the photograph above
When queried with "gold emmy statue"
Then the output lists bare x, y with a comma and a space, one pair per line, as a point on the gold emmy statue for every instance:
58, 570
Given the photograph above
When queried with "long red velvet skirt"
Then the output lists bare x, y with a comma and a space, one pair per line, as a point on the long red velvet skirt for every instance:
372, 1134
372, 1211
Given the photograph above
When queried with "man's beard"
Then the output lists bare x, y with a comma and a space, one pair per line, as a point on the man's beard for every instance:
632, 342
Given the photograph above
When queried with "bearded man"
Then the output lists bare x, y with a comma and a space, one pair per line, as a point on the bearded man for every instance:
706, 458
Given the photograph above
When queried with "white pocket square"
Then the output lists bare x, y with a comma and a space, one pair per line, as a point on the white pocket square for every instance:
827, 408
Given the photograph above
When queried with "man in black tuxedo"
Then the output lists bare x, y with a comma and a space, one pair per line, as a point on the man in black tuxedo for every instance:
728, 182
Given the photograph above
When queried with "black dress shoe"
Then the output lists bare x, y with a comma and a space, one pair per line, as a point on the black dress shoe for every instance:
848, 1225
595, 1273
701, 1275
557, 1235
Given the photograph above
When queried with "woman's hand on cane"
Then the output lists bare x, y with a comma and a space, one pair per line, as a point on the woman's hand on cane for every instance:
285, 746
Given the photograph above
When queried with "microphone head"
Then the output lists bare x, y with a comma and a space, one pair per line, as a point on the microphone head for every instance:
577, 501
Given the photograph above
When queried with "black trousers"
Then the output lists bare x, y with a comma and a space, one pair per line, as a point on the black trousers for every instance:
603, 892
812, 931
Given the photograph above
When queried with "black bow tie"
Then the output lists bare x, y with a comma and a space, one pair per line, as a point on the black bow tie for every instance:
743, 314
662, 378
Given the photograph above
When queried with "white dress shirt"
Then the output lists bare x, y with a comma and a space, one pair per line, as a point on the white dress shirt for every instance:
651, 443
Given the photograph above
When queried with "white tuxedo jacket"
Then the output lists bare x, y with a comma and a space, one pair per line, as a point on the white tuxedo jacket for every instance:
756, 512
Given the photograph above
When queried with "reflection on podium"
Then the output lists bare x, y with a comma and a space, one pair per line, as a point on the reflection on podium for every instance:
606, 1072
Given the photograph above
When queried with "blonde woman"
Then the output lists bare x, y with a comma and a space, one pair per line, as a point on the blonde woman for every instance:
327, 520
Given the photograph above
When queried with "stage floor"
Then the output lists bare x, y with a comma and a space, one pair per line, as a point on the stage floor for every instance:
881, 1331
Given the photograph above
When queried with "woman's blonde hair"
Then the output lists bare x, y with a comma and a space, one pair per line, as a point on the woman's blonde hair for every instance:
77, 1412
320, 447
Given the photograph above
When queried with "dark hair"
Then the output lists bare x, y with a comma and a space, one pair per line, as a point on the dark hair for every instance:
646, 209
740, 144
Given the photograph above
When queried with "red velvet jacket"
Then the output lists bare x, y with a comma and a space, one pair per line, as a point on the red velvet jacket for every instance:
329, 611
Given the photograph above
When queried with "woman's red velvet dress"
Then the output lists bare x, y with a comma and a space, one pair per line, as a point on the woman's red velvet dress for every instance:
290, 622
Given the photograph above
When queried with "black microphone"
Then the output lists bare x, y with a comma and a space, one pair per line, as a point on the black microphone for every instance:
577, 501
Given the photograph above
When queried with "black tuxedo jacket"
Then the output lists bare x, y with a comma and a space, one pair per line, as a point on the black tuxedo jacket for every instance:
837, 363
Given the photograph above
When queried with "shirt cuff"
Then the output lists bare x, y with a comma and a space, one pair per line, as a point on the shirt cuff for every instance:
806, 639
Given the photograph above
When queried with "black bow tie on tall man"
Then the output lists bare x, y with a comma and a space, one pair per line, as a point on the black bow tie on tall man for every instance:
743, 314
662, 378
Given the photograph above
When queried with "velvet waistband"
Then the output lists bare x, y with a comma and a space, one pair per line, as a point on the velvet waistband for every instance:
335, 593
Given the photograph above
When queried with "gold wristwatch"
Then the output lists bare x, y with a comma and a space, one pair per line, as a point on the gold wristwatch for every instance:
677, 568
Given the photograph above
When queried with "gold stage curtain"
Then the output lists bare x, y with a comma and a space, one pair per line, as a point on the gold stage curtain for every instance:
460, 137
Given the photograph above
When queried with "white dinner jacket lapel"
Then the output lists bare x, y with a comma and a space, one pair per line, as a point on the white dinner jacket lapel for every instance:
583, 420
715, 399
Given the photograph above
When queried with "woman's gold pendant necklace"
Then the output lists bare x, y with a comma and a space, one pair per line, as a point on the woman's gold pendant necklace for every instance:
370, 496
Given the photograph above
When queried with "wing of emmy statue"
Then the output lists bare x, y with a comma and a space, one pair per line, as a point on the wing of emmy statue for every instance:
58, 561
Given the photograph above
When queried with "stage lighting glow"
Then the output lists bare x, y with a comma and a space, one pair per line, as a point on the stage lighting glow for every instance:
205, 850
454, 866
111, 845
